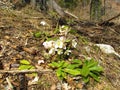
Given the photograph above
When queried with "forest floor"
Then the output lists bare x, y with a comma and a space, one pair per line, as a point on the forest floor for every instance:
17, 42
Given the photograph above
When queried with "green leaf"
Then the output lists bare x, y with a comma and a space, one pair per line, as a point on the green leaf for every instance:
96, 68
61, 63
54, 65
25, 67
26, 62
85, 71
65, 64
53, 39
86, 79
64, 75
67, 40
91, 63
37, 35
97, 78
32, 67
77, 61
73, 31
59, 72
73, 72
72, 66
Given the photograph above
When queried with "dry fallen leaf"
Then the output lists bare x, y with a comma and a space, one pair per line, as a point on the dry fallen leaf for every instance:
53, 87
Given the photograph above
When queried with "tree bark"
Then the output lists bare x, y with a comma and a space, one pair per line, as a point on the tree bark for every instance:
53, 5
95, 10
33, 3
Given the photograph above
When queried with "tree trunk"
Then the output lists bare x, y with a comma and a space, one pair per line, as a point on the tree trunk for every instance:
52, 4
33, 3
95, 10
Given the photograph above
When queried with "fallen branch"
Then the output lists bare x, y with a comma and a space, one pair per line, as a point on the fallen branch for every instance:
70, 14
60, 10
57, 8
104, 22
25, 71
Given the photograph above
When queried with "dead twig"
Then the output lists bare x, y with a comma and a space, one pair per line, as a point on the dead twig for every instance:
102, 23
70, 14
25, 71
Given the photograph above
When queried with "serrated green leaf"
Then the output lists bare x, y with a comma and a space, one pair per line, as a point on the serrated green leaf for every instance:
72, 72
26, 62
94, 76
77, 61
85, 71
96, 68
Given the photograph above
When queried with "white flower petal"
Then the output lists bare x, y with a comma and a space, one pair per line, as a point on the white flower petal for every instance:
64, 30
43, 23
40, 62
48, 44
59, 51
52, 51
67, 52
59, 44
66, 86
74, 43
35, 79
62, 38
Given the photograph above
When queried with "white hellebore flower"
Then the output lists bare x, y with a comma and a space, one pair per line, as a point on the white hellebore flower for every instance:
59, 51
43, 23
48, 44
52, 51
67, 52
62, 38
35, 80
64, 30
74, 43
59, 44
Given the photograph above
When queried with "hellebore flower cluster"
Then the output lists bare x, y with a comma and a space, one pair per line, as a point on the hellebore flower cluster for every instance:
55, 46
59, 46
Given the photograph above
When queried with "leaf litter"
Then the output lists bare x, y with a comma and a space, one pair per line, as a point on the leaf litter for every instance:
17, 42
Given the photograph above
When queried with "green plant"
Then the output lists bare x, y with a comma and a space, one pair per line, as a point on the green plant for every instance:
88, 69
91, 69
37, 34
60, 49
63, 68
62, 46
25, 65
